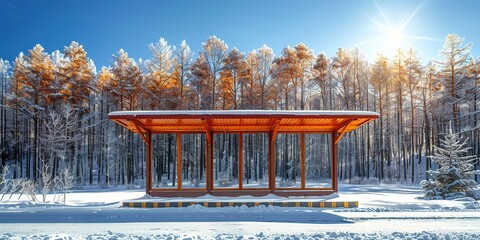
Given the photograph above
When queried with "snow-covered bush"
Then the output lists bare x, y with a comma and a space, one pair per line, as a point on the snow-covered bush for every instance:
454, 177
21, 186
5, 181
16, 187
475, 194
28, 188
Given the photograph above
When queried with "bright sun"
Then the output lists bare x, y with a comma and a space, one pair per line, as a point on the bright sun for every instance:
393, 40
394, 36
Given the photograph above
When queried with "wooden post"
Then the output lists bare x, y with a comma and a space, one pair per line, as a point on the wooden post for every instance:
240, 161
148, 166
209, 161
334, 162
302, 159
179, 161
271, 161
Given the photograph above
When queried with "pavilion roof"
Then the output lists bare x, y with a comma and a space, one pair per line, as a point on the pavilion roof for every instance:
242, 120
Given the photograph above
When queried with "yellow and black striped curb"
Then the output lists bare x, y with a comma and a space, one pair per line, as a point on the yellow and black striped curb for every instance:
238, 204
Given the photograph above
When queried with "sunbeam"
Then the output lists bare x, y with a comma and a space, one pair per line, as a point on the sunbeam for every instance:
405, 23
393, 35
424, 38
383, 14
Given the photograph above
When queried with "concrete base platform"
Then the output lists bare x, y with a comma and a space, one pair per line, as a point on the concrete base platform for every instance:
179, 204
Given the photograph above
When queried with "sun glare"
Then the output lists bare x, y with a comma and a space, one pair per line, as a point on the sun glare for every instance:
393, 40
392, 36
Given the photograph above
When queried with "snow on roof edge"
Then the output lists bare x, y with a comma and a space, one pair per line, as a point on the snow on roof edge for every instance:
243, 112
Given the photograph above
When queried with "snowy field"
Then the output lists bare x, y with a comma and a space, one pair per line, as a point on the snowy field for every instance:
385, 212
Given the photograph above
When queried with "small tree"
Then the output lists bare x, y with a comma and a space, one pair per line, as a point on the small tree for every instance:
5, 181
28, 188
46, 181
454, 177
64, 182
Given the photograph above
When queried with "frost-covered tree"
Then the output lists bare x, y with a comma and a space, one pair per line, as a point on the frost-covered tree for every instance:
321, 77
80, 75
305, 60
5, 181
46, 180
454, 177
286, 70
454, 59
64, 182
4, 77
379, 79
230, 79
214, 52
200, 83
181, 75
265, 58
126, 81
32, 78
56, 89
159, 77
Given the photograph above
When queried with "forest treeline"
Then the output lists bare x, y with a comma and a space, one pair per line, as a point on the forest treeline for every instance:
54, 106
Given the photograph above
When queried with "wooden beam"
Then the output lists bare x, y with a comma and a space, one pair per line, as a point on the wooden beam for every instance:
206, 126
275, 127
140, 131
343, 131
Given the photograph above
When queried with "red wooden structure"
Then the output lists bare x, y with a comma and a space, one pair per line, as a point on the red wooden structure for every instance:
333, 123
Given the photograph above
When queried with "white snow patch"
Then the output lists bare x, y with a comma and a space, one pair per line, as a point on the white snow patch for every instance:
261, 236
385, 212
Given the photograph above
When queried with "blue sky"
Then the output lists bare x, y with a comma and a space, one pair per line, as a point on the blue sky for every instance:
105, 26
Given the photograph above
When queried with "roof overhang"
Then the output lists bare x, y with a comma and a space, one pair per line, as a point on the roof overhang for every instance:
242, 120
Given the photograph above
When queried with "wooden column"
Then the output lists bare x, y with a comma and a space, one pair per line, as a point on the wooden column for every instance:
179, 161
271, 161
302, 159
240, 161
271, 154
209, 161
334, 161
148, 165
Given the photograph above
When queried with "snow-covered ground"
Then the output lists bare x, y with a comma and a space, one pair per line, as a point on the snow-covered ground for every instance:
385, 212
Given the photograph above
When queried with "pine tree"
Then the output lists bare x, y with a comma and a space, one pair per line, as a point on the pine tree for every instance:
454, 177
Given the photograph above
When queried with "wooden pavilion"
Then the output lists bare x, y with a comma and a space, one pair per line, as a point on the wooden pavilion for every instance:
199, 176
